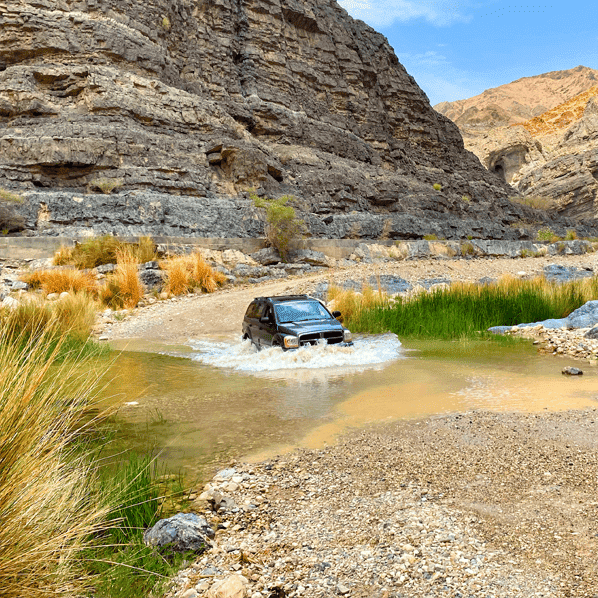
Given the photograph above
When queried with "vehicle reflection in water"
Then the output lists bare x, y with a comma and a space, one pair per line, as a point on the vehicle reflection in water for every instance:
212, 401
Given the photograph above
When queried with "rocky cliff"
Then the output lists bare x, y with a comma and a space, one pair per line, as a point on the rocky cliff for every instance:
179, 106
553, 156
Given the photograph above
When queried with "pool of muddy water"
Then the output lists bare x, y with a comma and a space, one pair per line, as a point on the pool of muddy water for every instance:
205, 403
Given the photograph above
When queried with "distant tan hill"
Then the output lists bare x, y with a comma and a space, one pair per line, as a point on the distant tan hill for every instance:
560, 117
519, 101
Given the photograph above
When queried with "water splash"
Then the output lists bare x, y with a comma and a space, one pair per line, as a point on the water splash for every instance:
243, 356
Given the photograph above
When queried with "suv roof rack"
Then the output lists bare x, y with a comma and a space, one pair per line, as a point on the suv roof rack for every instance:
282, 298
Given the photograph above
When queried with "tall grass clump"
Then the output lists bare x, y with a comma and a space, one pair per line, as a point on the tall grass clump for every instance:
47, 509
61, 280
468, 310
123, 288
188, 272
66, 323
352, 304
93, 252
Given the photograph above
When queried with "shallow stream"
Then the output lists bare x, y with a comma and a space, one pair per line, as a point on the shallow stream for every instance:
208, 402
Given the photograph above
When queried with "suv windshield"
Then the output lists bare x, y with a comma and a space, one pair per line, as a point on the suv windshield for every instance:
300, 311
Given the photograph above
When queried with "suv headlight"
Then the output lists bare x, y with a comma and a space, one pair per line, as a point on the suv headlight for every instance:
291, 342
347, 336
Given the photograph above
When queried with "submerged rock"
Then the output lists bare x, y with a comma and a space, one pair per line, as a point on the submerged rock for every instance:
569, 371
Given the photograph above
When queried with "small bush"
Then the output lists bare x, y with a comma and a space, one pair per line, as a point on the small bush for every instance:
571, 235
467, 248
430, 238
437, 187
166, 24
106, 185
465, 198
283, 227
546, 234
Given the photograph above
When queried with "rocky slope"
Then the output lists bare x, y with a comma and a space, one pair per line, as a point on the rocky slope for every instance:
519, 101
181, 106
552, 156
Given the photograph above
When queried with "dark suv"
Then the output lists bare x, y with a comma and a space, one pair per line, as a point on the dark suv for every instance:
291, 322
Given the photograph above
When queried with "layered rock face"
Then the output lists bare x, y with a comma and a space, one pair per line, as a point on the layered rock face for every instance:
182, 105
568, 172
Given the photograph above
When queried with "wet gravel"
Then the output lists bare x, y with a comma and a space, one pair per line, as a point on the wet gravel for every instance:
469, 505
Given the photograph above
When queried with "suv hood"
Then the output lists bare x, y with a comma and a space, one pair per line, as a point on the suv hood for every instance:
297, 328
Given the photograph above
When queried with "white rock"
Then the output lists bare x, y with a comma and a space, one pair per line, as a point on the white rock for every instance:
234, 586
52, 296
65, 295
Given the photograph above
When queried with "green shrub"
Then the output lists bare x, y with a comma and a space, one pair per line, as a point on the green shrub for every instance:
571, 235
283, 227
467, 248
546, 234
465, 198
430, 238
437, 187
166, 24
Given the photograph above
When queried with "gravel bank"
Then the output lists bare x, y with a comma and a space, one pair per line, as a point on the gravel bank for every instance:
472, 505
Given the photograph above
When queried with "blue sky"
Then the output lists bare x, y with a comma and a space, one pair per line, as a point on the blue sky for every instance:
456, 49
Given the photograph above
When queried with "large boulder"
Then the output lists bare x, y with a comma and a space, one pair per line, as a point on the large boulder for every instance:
181, 533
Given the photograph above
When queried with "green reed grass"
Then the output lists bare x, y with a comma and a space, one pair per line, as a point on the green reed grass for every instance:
120, 562
468, 310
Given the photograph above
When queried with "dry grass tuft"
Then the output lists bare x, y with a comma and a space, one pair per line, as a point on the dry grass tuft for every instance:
145, 250
60, 280
47, 506
63, 256
74, 315
123, 288
188, 272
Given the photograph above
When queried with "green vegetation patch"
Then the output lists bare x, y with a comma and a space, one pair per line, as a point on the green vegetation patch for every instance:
469, 310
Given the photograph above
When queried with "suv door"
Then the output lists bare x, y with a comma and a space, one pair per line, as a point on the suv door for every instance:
266, 326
